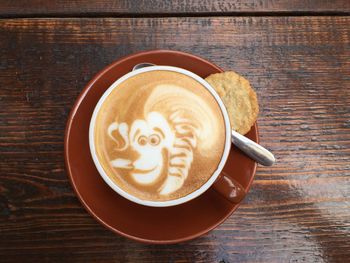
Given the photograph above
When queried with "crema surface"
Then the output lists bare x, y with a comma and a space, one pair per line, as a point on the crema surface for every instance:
159, 135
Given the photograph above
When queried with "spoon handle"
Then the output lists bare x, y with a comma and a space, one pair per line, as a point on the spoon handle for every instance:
252, 149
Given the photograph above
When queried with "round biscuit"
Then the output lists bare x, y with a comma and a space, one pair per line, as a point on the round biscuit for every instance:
239, 98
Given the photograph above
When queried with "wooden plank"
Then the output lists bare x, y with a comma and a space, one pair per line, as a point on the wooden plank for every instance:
297, 211
24, 8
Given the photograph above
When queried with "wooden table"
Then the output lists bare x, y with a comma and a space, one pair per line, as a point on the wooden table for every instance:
295, 53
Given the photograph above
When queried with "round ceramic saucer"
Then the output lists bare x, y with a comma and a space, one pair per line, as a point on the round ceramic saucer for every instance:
146, 224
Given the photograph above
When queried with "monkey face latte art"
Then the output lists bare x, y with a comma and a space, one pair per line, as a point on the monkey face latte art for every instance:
159, 135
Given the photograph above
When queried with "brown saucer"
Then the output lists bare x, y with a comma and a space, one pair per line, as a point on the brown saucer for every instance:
146, 224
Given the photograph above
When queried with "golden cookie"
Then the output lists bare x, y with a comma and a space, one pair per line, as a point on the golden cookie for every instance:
239, 98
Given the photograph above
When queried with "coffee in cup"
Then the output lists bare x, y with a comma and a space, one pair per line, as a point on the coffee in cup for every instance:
159, 135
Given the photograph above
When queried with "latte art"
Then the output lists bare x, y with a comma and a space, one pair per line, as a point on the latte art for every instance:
159, 135
152, 139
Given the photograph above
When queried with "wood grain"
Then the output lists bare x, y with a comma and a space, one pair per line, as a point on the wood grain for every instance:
23, 8
296, 211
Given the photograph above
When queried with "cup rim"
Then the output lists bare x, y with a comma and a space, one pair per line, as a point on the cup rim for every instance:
189, 196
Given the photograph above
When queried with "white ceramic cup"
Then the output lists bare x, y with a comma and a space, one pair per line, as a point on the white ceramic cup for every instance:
193, 194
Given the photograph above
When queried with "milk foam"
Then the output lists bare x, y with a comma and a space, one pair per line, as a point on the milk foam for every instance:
161, 139
169, 128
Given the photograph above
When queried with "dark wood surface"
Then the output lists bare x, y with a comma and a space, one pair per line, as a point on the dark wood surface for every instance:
20, 8
296, 211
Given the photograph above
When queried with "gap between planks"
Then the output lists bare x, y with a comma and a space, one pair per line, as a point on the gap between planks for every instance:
182, 14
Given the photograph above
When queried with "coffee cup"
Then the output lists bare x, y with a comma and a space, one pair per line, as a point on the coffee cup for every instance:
160, 136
